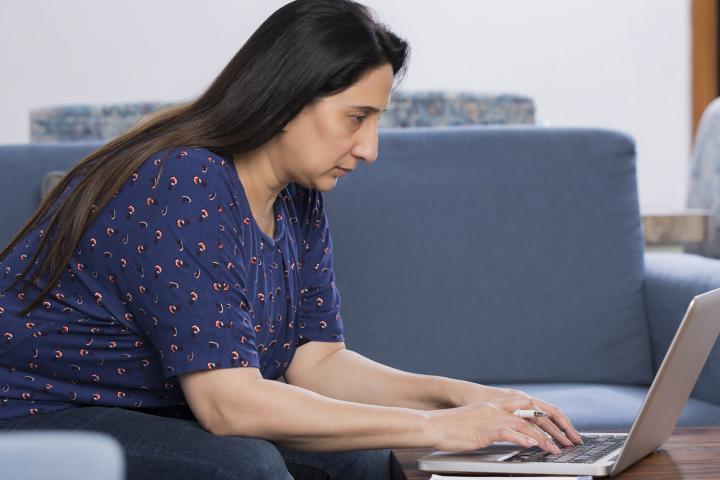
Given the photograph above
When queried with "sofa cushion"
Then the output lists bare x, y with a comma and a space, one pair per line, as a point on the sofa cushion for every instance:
66, 455
672, 279
611, 407
508, 254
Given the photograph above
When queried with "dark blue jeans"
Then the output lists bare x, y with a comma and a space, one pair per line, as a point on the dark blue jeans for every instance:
158, 447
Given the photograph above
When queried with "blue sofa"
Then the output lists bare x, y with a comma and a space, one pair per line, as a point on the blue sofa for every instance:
515, 256
501, 255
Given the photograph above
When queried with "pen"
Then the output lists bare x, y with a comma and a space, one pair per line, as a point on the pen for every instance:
529, 413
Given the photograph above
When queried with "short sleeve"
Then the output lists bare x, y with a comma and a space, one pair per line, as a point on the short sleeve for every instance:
319, 315
179, 267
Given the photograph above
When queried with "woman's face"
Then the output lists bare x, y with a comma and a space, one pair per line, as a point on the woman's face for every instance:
335, 132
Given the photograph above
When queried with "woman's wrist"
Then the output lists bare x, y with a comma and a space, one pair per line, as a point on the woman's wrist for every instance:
442, 392
462, 392
427, 433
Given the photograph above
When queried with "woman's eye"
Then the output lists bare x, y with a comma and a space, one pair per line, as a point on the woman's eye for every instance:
359, 119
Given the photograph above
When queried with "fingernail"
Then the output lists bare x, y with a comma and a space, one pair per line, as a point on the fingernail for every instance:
532, 441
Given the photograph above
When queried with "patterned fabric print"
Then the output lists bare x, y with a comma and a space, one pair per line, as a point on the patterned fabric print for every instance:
431, 108
72, 123
173, 276
437, 108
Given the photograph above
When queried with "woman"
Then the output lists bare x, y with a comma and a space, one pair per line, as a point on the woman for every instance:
183, 268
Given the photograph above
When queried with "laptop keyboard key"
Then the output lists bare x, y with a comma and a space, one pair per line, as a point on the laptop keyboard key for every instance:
595, 448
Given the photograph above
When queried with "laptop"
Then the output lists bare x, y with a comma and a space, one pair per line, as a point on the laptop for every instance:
606, 454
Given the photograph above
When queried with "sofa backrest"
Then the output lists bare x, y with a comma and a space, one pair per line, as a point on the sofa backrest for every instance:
25, 166
491, 254
495, 254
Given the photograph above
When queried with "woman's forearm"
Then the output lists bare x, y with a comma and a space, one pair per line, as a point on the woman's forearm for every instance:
305, 420
347, 375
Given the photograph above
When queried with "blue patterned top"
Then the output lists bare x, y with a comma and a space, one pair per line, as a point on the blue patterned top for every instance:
173, 276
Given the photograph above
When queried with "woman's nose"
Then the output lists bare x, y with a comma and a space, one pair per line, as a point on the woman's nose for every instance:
367, 147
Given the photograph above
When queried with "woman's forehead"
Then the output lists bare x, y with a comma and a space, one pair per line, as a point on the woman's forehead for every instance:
370, 93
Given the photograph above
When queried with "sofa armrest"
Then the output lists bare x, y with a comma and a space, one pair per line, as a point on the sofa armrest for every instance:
671, 281
60, 455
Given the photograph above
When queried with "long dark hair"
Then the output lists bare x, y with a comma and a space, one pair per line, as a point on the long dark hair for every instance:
306, 50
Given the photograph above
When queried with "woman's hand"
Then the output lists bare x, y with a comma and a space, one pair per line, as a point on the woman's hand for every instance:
556, 424
478, 425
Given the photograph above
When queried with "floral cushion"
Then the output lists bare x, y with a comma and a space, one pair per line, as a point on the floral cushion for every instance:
407, 109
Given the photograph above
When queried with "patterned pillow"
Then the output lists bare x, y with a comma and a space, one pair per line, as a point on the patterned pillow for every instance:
420, 108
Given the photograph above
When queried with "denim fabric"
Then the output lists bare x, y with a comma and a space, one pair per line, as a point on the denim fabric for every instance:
158, 447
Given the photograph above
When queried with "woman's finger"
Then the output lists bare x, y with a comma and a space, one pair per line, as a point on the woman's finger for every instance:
531, 430
526, 403
559, 418
549, 426
506, 406
510, 404
507, 434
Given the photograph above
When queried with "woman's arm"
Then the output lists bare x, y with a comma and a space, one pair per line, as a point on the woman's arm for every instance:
329, 369
332, 370
238, 401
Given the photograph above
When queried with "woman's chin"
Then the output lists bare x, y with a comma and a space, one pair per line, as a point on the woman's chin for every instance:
321, 184
327, 183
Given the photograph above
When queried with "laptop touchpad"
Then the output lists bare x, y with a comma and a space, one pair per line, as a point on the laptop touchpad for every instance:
492, 453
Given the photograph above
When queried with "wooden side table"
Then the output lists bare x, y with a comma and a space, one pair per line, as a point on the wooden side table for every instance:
666, 227
690, 453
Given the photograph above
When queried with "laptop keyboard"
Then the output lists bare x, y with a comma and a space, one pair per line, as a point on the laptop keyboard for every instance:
595, 447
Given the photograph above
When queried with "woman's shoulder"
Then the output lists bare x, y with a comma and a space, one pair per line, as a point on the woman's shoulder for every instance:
180, 170
187, 160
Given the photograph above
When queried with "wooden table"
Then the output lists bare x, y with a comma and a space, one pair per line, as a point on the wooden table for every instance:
690, 453
665, 227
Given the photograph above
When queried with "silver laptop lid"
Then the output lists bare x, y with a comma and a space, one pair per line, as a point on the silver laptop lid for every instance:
675, 379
